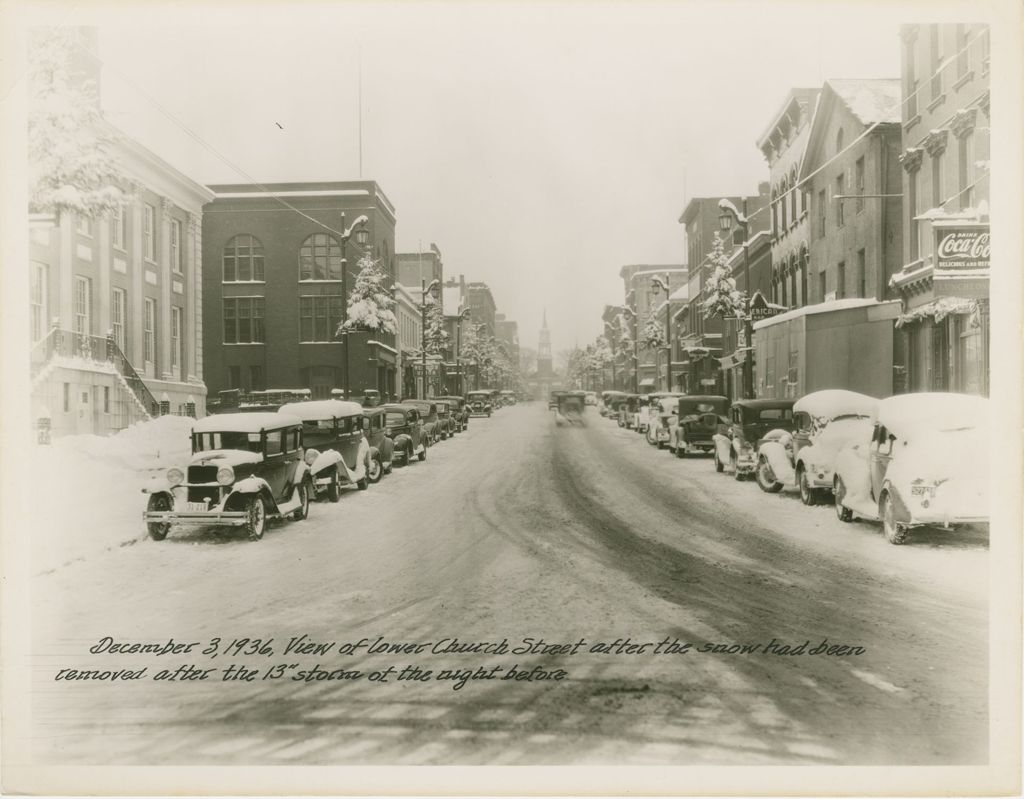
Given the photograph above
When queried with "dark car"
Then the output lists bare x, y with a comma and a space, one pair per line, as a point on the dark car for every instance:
446, 417
572, 404
245, 468
459, 409
748, 422
434, 427
404, 427
337, 453
382, 447
553, 398
697, 421
479, 403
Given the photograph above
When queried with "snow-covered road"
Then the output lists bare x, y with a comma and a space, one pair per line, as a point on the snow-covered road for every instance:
521, 529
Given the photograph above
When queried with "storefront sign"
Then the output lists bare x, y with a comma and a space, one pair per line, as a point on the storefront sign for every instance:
962, 247
760, 309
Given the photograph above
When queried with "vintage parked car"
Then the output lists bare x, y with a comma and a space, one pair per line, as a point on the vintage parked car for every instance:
614, 403
591, 398
660, 420
406, 430
446, 420
508, 397
433, 427
924, 464
695, 423
459, 411
337, 453
382, 447
824, 422
245, 468
604, 406
480, 403
628, 411
748, 422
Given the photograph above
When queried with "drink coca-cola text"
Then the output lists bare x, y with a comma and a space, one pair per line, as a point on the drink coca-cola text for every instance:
965, 246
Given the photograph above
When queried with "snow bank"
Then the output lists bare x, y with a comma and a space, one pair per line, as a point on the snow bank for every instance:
89, 496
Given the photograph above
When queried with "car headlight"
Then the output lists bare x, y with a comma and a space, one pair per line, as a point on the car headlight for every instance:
311, 455
225, 475
175, 476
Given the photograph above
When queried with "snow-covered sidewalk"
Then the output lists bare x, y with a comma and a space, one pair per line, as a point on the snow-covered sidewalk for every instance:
88, 495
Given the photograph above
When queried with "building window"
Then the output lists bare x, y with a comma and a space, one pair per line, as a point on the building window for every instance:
243, 320
67, 397
234, 377
176, 245
149, 331
861, 274
937, 180
840, 219
910, 80
106, 399
822, 205
915, 225
985, 47
966, 171
243, 260
83, 305
83, 224
320, 258
149, 231
775, 218
256, 378
319, 317
859, 183
793, 193
176, 340
963, 55
841, 280
119, 228
38, 293
118, 316
936, 47
822, 285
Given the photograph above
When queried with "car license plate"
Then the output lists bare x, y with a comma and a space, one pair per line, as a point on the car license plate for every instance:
195, 506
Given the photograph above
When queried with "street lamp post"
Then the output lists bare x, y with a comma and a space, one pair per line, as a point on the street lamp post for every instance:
658, 285
725, 222
362, 235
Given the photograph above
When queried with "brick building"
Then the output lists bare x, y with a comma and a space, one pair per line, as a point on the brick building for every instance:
415, 269
276, 286
481, 303
644, 303
410, 338
943, 280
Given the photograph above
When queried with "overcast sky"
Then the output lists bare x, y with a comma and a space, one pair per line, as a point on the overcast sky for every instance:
541, 146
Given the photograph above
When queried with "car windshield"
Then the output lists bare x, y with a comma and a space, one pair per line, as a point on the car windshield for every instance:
204, 442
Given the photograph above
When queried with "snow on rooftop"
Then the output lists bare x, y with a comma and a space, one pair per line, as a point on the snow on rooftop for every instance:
243, 422
821, 307
321, 409
871, 100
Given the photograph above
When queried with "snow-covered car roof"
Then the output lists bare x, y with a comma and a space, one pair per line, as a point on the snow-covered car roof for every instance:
933, 411
322, 409
244, 422
834, 402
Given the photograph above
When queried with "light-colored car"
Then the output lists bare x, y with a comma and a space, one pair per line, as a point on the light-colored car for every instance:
337, 452
924, 463
824, 422
245, 468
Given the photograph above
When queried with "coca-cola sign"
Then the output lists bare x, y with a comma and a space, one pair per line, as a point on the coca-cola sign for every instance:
962, 248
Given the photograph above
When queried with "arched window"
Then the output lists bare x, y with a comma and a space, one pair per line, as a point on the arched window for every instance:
320, 258
839, 141
803, 266
775, 213
782, 211
243, 259
793, 194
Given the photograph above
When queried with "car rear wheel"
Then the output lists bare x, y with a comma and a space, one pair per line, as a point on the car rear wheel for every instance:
304, 491
843, 513
719, 466
334, 489
256, 518
423, 455
808, 495
895, 533
376, 471
158, 530
766, 477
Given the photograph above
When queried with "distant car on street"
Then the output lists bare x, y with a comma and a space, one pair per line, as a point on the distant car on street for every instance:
245, 468
590, 398
479, 403
337, 453
924, 464
406, 430
748, 422
433, 427
459, 411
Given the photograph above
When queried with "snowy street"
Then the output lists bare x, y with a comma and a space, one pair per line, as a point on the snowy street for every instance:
521, 529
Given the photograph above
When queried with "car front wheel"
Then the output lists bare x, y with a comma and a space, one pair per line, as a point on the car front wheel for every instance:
843, 513
895, 533
334, 489
304, 491
255, 518
158, 530
766, 477
808, 495
376, 471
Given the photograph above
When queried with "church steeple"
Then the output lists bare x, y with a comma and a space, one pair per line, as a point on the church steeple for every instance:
544, 323
544, 365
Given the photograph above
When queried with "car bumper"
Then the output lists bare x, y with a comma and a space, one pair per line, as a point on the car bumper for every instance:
660, 435
746, 464
228, 517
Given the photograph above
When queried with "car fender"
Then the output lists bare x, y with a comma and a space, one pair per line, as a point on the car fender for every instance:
324, 460
301, 472
852, 467
903, 514
245, 488
723, 446
386, 450
158, 485
778, 458
402, 441
362, 459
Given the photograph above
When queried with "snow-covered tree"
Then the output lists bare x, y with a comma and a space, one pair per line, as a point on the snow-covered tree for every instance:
370, 302
653, 334
435, 338
70, 168
721, 297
